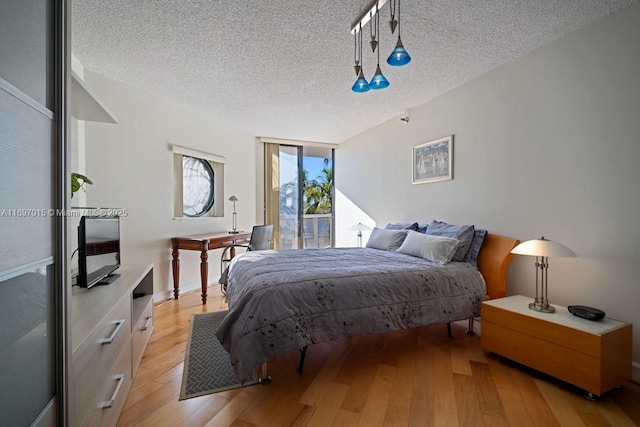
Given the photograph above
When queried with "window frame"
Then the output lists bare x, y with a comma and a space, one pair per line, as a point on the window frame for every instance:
216, 163
208, 170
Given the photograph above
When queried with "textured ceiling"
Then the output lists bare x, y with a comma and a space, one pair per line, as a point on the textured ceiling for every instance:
284, 69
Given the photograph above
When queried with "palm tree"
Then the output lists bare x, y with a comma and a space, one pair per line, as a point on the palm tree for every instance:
318, 192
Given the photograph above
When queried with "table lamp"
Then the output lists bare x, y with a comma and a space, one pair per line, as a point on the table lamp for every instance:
234, 199
542, 249
359, 227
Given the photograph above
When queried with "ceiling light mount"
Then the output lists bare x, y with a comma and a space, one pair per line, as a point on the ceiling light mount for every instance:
366, 15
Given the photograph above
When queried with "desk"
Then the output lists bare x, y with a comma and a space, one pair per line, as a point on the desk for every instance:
203, 243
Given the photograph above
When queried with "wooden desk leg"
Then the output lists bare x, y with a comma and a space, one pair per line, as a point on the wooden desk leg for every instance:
204, 271
175, 266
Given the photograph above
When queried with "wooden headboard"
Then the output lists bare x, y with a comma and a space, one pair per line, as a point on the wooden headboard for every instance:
493, 262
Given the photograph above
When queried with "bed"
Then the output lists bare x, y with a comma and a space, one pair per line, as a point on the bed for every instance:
285, 300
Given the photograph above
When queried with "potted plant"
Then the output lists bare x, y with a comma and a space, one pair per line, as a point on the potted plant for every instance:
77, 182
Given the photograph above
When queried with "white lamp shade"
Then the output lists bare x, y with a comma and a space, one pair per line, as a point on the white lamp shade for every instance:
359, 227
543, 247
233, 199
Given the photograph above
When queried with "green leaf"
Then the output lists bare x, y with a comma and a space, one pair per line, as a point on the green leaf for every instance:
76, 184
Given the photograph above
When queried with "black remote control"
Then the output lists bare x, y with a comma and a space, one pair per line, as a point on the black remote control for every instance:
585, 312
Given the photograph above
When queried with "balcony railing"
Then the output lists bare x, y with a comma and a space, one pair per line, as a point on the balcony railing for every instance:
318, 230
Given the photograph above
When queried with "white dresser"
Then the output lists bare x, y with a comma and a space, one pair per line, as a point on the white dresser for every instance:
111, 326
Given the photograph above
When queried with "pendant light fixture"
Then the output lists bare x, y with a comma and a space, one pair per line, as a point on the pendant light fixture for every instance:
374, 31
378, 81
393, 23
361, 84
356, 58
399, 56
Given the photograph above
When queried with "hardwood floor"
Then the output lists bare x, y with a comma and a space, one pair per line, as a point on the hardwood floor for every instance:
406, 378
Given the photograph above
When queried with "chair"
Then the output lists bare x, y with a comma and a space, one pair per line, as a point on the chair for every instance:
261, 236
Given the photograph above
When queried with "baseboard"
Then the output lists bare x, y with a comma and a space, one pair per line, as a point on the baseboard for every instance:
189, 287
635, 372
162, 296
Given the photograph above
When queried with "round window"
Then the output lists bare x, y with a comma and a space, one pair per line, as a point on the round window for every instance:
197, 186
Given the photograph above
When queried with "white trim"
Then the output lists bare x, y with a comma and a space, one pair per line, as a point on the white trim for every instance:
199, 154
193, 218
25, 268
266, 140
23, 97
48, 415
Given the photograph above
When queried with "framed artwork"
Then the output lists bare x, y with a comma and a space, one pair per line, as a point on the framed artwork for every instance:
433, 161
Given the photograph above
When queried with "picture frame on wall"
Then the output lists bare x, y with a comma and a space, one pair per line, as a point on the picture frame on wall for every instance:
433, 161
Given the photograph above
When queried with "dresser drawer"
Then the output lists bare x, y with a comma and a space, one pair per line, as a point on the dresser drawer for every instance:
561, 362
95, 357
595, 356
108, 402
565, 336
141, 332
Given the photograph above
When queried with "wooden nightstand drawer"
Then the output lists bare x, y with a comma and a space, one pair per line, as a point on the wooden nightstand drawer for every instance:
558, 334
561, 362
595, 356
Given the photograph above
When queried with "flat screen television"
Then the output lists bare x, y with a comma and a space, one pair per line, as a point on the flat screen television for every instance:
98, 250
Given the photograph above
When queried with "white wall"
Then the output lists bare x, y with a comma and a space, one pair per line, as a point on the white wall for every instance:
547, 145
130, 164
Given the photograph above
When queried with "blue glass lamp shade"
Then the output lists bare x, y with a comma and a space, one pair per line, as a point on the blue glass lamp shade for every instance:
361, 84
399, 56
378, 81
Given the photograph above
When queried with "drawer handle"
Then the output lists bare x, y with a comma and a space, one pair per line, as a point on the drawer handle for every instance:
109, 403
146, 325
109, 340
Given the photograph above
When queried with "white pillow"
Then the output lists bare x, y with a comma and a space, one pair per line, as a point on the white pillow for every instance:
387, 240
433, 248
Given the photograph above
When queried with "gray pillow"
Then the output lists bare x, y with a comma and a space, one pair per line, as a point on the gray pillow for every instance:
476, 244
387, 240
401, 226
438, 249
464, 233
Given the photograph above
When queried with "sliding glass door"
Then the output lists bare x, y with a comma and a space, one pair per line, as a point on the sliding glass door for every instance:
299, 195
32, 246
290, 188
317, 195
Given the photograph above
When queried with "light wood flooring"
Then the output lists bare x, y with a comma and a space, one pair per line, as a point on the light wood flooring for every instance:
407, 378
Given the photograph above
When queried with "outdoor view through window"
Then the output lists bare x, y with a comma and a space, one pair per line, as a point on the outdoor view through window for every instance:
317, 198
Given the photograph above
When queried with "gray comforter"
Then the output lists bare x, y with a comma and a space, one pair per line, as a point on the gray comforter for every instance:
284, 300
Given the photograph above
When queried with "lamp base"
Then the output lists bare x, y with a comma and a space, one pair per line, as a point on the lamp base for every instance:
234, 232
542, 307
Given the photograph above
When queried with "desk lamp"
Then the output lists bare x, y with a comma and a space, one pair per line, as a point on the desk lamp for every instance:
234, 199
359, 227
542, 249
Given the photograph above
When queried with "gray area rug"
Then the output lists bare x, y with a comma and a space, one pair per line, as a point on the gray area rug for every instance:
207, 368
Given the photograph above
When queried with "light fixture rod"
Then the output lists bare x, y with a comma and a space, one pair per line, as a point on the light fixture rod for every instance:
541, 303
366, 15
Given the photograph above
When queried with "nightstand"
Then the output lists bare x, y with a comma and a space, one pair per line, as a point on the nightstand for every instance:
593, 355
